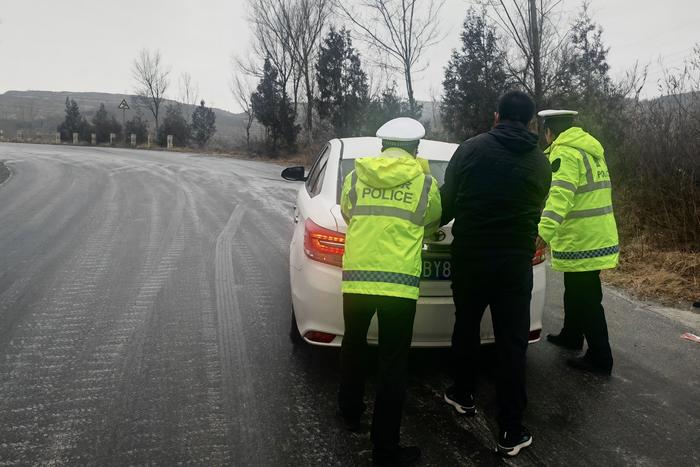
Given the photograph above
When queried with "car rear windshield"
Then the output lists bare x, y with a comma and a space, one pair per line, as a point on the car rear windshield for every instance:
437, 170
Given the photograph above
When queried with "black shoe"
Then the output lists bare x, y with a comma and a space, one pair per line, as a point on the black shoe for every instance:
510, 443
352, 424
400, 455
463, 404
565, 342
590, 365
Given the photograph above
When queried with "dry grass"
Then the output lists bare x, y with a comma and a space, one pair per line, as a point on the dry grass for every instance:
667, 276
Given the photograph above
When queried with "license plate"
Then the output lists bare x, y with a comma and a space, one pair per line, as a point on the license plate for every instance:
436, 269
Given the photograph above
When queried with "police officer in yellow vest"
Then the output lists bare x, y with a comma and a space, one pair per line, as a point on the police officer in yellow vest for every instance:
579, 225
390, 204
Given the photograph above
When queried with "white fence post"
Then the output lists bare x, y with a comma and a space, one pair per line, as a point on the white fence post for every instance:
112, 136
170, 141
58, 138
93, 139
133, 140
75, 138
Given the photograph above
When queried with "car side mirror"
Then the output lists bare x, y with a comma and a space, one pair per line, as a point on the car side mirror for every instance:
294, 174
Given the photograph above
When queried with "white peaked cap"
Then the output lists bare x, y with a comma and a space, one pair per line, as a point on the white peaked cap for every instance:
401, 129
555, 113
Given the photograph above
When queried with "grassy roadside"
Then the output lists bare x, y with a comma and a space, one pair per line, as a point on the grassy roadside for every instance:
670, 277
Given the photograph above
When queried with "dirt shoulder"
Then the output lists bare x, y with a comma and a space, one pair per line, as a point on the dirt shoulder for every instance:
669, 277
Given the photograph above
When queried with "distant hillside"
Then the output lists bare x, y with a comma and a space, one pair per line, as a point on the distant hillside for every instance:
38, 113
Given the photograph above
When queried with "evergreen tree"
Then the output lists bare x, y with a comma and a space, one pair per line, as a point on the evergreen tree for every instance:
587, 65
203, 124
342, 85
72, 122
85, 130
387, 106
104, 125
137, 125
115, 127
590, 90
174, 124
475, 78
273, 109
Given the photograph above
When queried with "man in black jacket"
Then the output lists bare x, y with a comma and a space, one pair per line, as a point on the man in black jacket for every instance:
495, 186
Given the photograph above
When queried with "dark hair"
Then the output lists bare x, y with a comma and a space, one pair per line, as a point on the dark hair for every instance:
516, 106
559, 124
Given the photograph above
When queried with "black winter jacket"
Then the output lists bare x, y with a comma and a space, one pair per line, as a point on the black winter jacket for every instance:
495, 187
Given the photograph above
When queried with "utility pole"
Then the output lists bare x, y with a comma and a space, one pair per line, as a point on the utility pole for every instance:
536, 57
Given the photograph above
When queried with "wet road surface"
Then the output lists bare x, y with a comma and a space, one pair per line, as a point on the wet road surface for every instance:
144, 317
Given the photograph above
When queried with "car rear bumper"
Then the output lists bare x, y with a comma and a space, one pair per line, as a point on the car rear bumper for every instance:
318, 306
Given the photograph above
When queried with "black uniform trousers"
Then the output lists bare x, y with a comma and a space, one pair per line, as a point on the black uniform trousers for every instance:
584, 315
504, 284
395, 318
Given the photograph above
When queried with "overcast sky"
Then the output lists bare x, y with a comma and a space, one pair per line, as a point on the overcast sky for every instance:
81, 45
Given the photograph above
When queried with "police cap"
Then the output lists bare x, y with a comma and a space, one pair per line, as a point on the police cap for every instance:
557, 120
401, 129
551, 113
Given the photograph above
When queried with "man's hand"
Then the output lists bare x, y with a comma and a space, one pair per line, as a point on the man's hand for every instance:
540, 243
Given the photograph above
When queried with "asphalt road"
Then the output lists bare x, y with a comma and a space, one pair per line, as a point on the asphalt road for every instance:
144, 313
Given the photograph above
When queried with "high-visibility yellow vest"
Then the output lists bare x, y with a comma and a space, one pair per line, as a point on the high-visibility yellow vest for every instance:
578, 221
389, 205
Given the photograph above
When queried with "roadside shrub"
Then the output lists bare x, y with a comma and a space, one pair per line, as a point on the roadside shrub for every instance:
658, 165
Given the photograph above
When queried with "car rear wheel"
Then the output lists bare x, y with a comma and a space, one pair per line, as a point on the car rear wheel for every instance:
294, 333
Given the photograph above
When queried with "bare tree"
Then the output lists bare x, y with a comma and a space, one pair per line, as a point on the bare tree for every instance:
297, 26
270, 42
152, 81
189, 91
402, 30
536, 63
242, 90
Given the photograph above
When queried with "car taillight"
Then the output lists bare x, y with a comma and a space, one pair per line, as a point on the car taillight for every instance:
540, 256
323, 245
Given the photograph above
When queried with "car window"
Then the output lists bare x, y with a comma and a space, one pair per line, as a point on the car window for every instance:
315, 180
437, 169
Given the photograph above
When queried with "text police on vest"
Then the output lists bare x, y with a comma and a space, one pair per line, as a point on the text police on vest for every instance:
394, 195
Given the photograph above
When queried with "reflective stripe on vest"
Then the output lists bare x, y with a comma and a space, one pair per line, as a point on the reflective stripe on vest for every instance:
589, 212
416, 217
578, 214
590, 184
564, 184
382, 276
353, 191
419, 215
611, 250
390, 211
553, 215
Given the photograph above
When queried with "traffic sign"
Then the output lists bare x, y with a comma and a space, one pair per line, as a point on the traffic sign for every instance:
124, 105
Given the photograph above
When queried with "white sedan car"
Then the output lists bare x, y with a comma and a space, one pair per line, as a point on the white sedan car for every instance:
316, 252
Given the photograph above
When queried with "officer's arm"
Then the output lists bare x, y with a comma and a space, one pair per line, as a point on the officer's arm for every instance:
561, 194
345, 199
433, 211
448, 192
